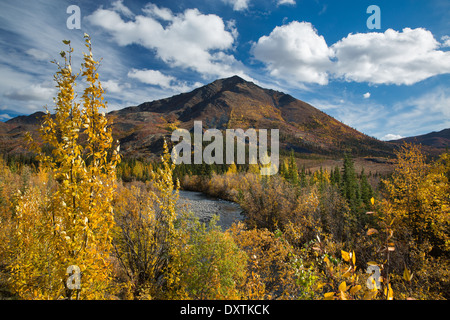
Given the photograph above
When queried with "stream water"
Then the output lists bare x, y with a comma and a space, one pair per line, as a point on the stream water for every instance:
204, 207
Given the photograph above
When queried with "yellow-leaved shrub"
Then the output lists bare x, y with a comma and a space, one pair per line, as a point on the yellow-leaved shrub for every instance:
71, 225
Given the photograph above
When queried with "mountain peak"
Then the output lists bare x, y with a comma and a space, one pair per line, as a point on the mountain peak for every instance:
231, 80
225, 84
34, 118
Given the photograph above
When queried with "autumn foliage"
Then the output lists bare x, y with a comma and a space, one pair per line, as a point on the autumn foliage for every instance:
68, 223
307, 235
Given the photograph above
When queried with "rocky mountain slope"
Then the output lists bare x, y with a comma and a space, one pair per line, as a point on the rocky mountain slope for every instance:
235, 103
225, 103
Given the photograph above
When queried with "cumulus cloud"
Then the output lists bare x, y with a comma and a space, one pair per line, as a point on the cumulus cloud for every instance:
366, 95
189, 40
295, 51
113, 86
391, 57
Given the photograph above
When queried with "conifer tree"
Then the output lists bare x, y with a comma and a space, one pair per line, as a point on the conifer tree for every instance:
336, 176
303, 177
366, 190
350, 188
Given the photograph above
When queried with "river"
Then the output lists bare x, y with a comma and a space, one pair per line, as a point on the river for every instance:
204, 207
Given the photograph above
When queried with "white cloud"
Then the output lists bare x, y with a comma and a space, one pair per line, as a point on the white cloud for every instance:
323, 10
366, 95
231, 26
159, 13
295, 51
32, 93
391, 136
419, 115
32, 36
113, 86
445, 41
5, 117
434, 102
368, 118
153, 77
280, 2
190, 40
38, 54
156, 78
241, 5
392, 57
121, 8
238, 5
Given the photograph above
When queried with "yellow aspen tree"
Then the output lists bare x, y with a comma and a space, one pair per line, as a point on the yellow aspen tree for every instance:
419, 194
78, 215
166, 235
214, 267
232, 169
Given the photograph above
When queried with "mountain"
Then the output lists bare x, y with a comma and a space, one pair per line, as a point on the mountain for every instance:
235, 103
13, 131
439, 140
225, 103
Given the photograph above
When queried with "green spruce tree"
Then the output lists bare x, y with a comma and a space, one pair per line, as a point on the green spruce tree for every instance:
349, 184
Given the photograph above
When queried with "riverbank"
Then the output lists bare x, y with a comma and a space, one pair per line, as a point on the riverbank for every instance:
205, 207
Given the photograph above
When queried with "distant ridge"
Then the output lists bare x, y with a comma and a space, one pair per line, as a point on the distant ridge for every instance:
440, 139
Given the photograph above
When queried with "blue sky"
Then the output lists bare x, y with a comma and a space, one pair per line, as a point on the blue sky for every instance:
388, 83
